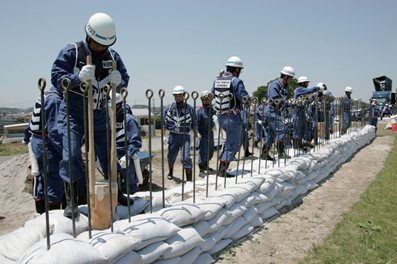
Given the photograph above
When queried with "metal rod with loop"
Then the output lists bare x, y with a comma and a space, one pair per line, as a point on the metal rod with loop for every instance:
210, 97
149, 95
66, 86
185, 98
253, 103
84, 90
270, 102
262, 129
124, 94
106, 91
161, 95
194, 96
220, 96
277, 120
42, 84
230, 97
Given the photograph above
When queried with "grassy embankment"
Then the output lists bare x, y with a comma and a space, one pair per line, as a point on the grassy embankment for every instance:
368, 233
13, 149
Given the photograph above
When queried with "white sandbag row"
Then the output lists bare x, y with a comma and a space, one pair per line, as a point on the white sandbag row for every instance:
183, 232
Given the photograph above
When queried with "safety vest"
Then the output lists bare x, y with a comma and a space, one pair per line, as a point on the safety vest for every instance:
98, 96
224, 84
35, 121
175, 122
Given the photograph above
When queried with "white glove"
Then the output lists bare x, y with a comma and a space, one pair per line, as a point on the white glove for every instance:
260, 122
214, 118
97, 164
87, 73
199, 136
115, 77
24, 142
165, 140
196, 142
123, 162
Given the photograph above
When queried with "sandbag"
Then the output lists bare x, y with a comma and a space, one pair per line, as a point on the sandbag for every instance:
64, 250
209, 241
148, 228
174, 260
182, 214
269, 213
211, 206
191, 256
219, 219
245, 230
202, 227
254, 198
250, 213
14, 244
204, 258
182, 242
255, 182
220, 246
61, 224
257, 221
140, 204
281, 205
270, 194
113, 245
236, 225
151, 253
266, 185
129, 258
263, 206
235, 211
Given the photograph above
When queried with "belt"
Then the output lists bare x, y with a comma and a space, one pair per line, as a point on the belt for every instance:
232, 112
46, 134
179, 133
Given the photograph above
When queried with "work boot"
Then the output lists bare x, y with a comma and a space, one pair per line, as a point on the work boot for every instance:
189, 176
280, 151
307, 144
122, 199
265, 153
170, 172
344, 130
206, 165
256, 144
295, 143
40, 206
223, 169
71, 207
298, 144
247, 153
202, 170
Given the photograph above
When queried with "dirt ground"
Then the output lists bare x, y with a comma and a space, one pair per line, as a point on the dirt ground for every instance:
285, 239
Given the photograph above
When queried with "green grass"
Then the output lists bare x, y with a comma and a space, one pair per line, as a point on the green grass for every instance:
13, 149
368, 233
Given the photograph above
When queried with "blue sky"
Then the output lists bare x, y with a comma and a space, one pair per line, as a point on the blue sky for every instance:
168, 43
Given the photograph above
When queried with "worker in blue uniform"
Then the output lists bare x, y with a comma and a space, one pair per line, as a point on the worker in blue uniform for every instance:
134, 142
179, 123
374, 111
347, 107
229, 83
279, 90
203, 120
71, 63
386, 111
55, 187
299, 113
321, 115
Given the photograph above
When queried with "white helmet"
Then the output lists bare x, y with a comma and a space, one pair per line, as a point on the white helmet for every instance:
322, 86
303, 79
380, 103
387, 104
119, 99
289, 71
204, 95
349, 89
101, 29
375, 100
179, 90
235, 62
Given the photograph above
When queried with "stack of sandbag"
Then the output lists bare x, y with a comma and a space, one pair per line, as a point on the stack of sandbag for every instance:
183, 231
